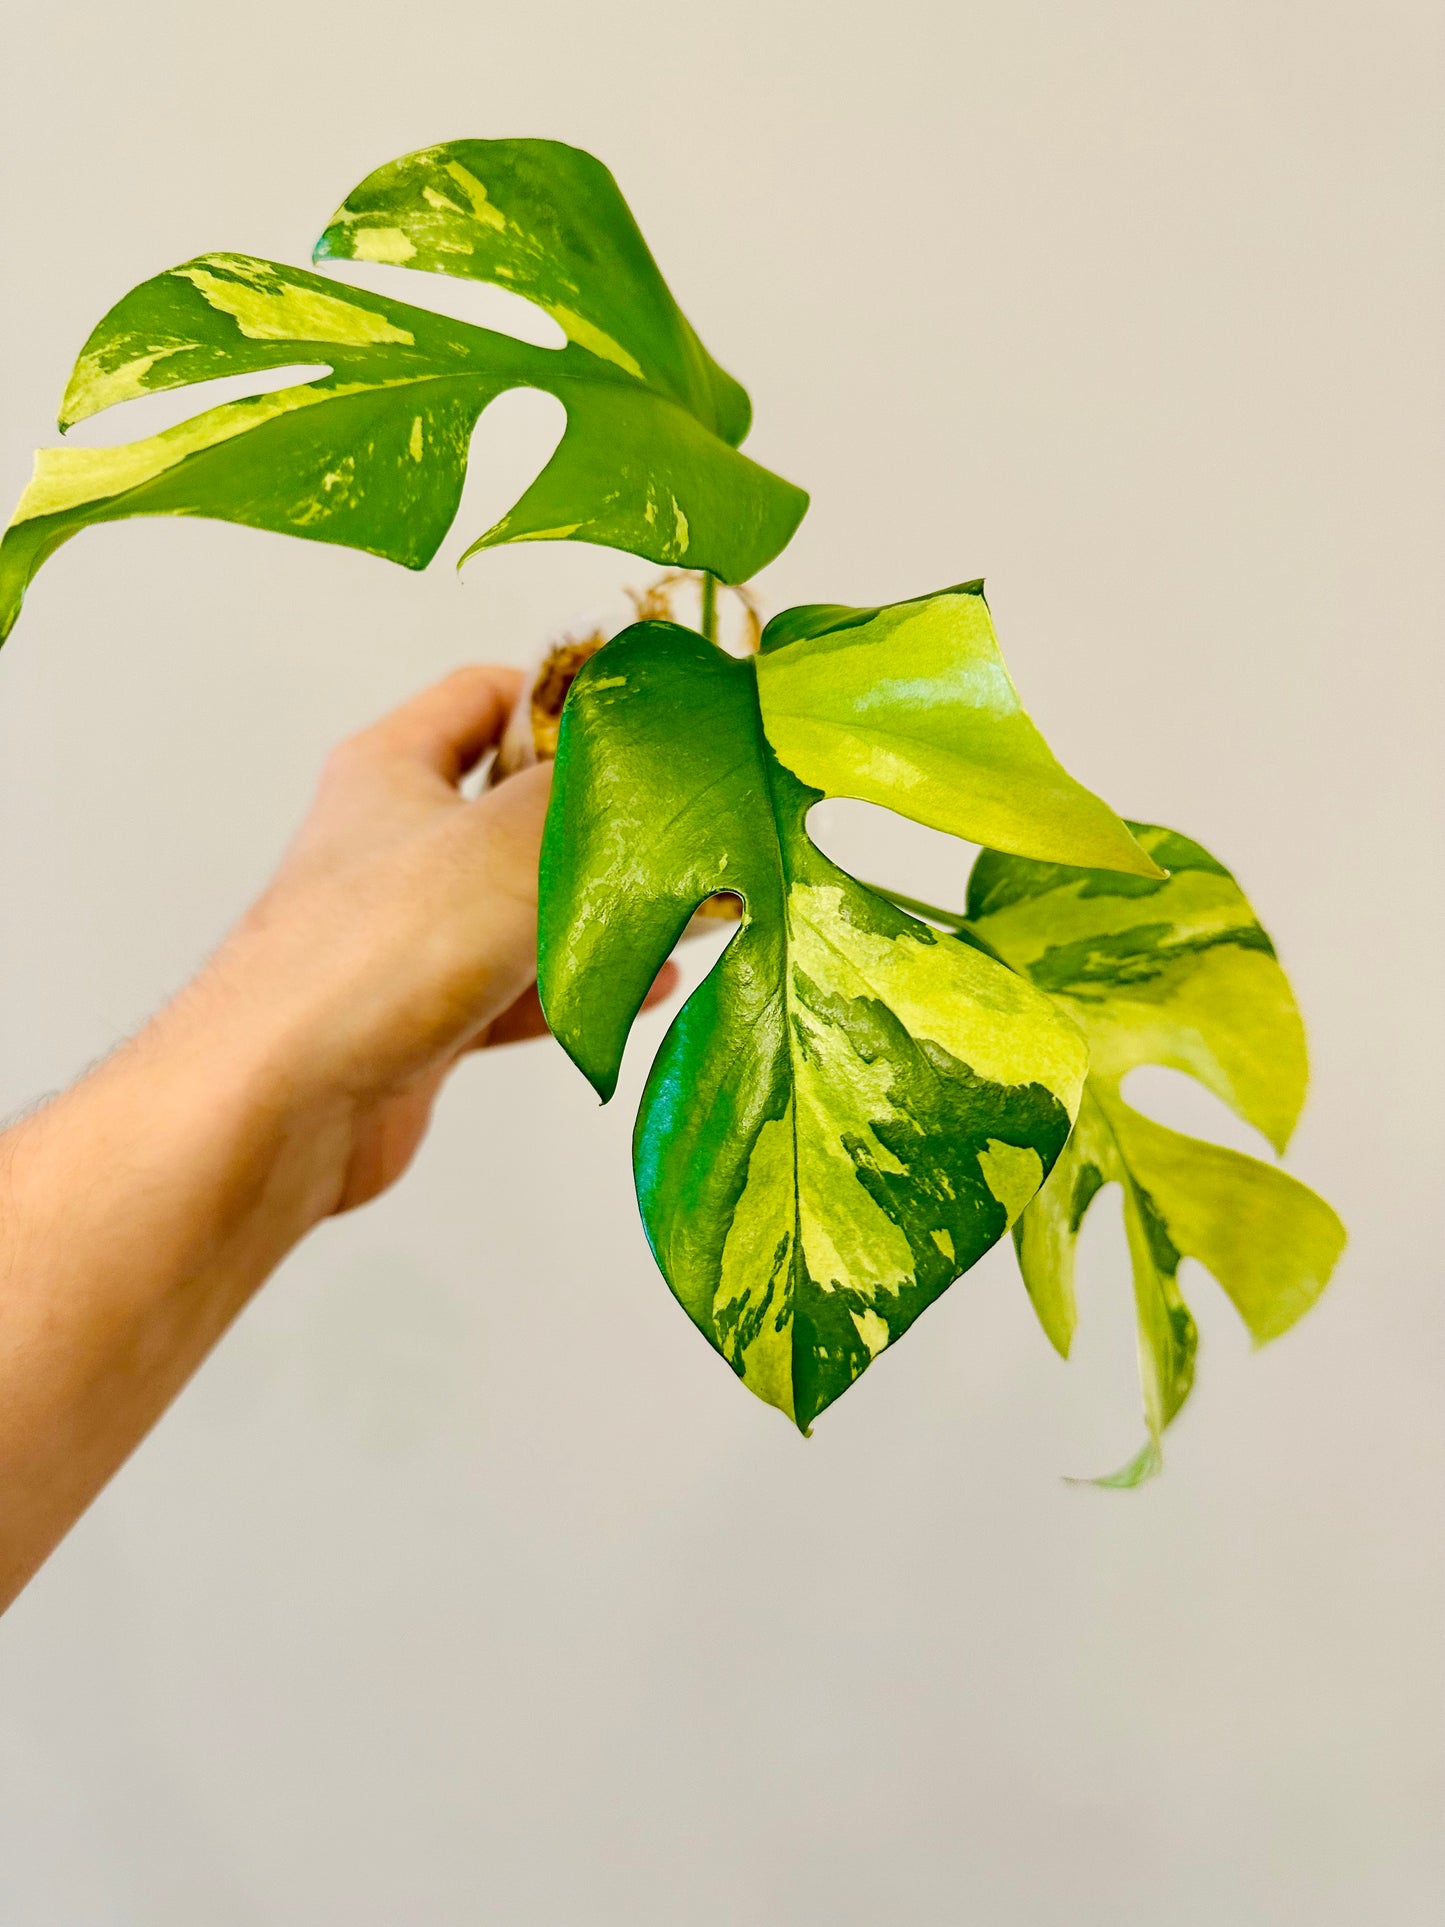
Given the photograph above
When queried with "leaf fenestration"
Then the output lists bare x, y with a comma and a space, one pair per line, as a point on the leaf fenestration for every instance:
548, 222
852, 1107
911, 706
373, 455
1180, 973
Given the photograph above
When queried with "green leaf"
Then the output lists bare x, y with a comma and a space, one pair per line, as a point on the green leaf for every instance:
373, 455
911, 706
547, 222
852, 1107
1178, 973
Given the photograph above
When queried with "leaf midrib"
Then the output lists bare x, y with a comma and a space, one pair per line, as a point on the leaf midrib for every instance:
323, 396
765, 760
881, 732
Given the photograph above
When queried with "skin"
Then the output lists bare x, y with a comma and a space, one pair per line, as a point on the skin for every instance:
294, 1078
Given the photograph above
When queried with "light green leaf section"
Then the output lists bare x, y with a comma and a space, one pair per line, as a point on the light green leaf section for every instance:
373, 455
852, 1107
911, 706
1178, 973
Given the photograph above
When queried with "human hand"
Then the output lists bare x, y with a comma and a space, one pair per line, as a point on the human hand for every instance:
292, 1079
399, 932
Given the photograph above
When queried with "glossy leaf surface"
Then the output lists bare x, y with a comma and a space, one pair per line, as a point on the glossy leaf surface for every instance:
547, 222
911, 706
373, 455
1178, 973
852, 1107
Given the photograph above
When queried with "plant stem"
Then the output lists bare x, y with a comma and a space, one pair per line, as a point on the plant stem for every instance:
709, 605
954, 919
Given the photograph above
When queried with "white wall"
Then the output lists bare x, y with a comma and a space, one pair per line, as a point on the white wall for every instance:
465, 1585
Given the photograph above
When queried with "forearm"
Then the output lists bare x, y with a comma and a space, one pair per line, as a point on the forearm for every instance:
138, 1213
293, 1079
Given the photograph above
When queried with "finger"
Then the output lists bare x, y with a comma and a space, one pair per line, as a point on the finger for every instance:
663, 985
496, 837
514, 1026
507, 825
450, 726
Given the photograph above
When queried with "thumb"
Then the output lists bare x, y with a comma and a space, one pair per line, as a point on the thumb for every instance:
505, 827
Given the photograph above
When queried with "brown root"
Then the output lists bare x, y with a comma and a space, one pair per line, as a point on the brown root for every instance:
536, 720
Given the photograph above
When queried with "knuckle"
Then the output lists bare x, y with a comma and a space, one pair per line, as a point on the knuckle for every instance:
350, 755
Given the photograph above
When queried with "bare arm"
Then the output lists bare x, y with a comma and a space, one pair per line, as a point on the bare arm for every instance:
293, 1079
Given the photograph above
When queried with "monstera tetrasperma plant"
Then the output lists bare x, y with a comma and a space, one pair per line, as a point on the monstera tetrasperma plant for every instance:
865, 1093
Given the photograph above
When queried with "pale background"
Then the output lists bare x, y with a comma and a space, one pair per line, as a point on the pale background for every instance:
465, 1585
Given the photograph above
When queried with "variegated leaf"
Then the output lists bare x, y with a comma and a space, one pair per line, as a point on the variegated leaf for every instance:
911, 706
373, 454
852, 1107
1178, 973
547, 222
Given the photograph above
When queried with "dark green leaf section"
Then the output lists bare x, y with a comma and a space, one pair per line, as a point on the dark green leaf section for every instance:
547, 222
852, 1107
997, 883
1176, 972
372, 455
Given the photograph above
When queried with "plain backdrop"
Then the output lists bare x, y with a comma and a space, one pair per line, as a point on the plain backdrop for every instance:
465, 1585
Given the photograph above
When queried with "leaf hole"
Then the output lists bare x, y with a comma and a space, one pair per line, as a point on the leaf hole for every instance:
878, 846
478, 302
1105, 1391
1179, 1101
514, 439
722, 909
147, 415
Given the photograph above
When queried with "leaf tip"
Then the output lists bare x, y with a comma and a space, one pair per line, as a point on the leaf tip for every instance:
603, 1082
1146, 1464
1141, 864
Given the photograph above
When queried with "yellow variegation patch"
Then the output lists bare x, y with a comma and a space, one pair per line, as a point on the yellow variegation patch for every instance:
1179, 973
268, 306
372, 453
853, 1107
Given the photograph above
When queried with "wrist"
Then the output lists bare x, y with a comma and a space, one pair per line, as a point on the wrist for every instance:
229, 1070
